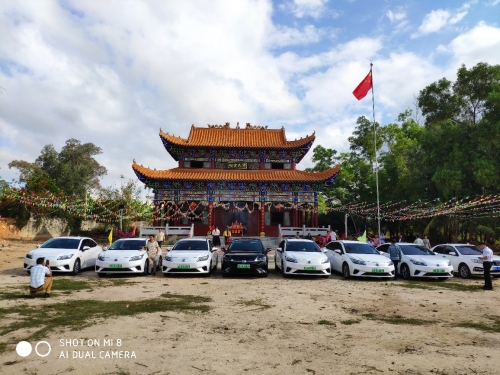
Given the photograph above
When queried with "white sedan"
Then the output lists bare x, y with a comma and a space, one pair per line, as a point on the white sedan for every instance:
65, 254
464, 258
353, 258
301, 257
191, 256
419, 261
126, 255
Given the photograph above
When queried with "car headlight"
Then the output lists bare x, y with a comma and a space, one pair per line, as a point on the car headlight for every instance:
358, 261
418, 262
168, 259
29, 256
475, 260
66, 256
136, 257
390, 263
290, 259
101, 257
324, 261
260, 258
202, 259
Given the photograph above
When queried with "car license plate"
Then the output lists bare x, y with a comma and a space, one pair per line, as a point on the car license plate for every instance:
438, 271
184, 266
243, 266
377, 270
309, 268
495, 268
115, 266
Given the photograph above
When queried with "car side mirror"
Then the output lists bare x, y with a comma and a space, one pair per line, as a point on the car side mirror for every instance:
452, 253
38, 245
268, 250
85, 248
338, 251
169, 248
105, 248
279, 249
214, 249
325, 250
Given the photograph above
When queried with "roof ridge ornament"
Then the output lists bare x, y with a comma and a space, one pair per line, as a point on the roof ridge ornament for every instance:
255, 127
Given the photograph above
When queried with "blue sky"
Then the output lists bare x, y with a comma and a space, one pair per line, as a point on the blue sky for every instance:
115, 72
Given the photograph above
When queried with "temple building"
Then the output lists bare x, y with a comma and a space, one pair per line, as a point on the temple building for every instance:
243, 177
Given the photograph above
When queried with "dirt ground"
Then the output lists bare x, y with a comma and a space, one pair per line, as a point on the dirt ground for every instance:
268, 326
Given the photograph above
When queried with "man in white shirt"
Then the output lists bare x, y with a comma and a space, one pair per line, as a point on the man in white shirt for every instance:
419, 241
487, 259
333, 235
40, 278
160, 237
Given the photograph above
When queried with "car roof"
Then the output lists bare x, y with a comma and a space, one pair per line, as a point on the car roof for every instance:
347, 241
131, 239
298, 240
245, 239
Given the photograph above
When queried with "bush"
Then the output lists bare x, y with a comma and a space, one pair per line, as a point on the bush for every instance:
117, 234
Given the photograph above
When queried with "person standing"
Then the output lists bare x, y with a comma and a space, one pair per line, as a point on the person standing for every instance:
216, 236
333, 235
375, 241
382, 238
40, 278
160, 237
153, 250
395, 255
227, 235
487, 259
427, 243
419, 241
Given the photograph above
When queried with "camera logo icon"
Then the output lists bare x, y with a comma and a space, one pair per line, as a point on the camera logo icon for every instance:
42, 348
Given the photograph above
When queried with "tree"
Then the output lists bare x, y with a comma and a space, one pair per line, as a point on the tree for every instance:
72, 171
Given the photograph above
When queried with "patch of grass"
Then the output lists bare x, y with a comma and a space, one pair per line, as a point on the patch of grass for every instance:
350, 321
436, 284
311, 371
326, 322
75, 315
398, 319
296, 362
256, 302
492, 326
3, 347
63, 285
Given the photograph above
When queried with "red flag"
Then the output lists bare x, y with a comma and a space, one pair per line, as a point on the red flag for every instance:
363, 88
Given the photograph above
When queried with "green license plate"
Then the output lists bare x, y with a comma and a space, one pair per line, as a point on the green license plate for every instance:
243, 266
184, 266
438, 271
377, 270
309, 268
115, 266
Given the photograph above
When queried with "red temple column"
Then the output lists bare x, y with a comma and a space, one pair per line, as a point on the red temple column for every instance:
262, 218
315, 215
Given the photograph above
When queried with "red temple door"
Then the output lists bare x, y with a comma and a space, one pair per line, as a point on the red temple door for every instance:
253, 223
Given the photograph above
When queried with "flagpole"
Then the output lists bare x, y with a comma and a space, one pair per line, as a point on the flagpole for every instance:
375, 150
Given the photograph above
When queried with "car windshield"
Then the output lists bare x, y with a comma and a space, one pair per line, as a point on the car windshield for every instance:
415, 250
127, 245
469, 250
304, 246
359, 248
191, 245
244, 246
61, 243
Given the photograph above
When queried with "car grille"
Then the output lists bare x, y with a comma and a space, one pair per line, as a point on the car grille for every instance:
377, 274
312, 272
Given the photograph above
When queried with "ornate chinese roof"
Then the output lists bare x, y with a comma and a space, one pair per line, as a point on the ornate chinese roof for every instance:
250, 136
266, 175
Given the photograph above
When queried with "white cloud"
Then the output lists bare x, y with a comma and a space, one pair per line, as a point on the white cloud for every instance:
437, 19
287, 36
311, 8
480, 44
394, 17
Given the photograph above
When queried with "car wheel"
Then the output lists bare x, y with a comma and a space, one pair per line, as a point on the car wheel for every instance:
100, 274
216, 265
160, 263
464, 271
405, 272
28, 272
345, 271
76, 267
146, 268
283, 270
